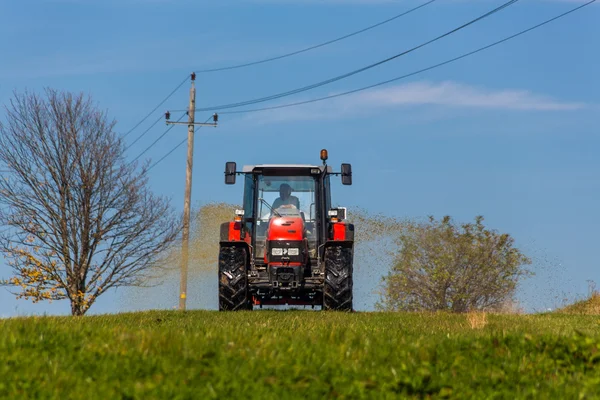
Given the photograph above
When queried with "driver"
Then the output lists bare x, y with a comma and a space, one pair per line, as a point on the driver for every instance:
285, 197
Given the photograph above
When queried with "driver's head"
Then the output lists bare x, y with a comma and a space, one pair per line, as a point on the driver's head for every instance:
285, 191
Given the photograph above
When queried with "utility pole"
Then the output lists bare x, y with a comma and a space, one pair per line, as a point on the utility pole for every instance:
188, 187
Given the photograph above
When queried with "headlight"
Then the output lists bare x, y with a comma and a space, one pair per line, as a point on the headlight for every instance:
277, 252
293, 252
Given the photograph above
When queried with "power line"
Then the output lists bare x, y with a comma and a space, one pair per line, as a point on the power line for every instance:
416, 72
146, 131
318, 45
167, 155
156, 108
173, 149
160, 137
340, 77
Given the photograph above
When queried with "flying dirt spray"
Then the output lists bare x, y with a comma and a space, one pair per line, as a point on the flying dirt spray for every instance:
374, 253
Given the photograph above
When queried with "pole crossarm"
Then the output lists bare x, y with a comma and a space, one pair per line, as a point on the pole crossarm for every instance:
191, 113
195, 123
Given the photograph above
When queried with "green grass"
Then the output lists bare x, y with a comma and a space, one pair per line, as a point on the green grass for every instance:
296, 354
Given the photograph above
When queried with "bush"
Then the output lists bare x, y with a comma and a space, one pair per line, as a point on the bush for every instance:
443, 266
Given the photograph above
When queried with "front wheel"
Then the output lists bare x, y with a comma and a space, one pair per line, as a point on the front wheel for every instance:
233, 280
337, 293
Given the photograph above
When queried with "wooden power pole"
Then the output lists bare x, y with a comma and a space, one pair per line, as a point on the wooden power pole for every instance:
188, 188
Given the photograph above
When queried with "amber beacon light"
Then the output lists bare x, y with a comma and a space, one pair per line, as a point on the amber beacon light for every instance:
324, 155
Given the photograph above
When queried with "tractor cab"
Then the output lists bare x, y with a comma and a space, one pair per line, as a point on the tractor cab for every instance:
284, 230
276, 192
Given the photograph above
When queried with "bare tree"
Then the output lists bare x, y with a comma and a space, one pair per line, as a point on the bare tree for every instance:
444, 266
78, 218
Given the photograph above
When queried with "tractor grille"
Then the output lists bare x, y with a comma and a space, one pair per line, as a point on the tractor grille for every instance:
284, 251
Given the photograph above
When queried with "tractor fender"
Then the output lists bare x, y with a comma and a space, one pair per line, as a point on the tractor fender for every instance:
347, 244
230, 237
238, 244
231, 231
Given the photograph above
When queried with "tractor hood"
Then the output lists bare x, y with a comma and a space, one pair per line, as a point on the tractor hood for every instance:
286, 228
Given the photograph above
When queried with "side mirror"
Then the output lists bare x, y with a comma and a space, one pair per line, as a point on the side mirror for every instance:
346, 174
230, 173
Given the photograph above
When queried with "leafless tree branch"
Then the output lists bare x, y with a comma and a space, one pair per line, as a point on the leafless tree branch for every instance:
81, 219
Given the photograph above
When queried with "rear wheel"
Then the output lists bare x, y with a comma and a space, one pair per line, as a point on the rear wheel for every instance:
337, 293
233, 281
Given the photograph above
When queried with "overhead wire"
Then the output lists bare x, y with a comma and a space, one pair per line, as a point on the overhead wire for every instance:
415, 72
156, 108
144, 133
173, 149
340, 77
321, 44
160, 137
167, 155
270, 59
520, 33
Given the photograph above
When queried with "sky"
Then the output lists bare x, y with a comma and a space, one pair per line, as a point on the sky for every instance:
510, 133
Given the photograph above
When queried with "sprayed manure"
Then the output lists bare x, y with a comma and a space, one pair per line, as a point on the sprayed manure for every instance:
375, 251
376, 248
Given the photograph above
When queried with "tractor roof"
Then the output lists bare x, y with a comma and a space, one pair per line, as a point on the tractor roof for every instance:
250, 168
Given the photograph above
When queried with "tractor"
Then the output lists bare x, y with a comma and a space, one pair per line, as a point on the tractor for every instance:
287, 245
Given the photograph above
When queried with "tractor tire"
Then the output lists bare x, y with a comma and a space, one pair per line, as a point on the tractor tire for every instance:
233, 281
337, 293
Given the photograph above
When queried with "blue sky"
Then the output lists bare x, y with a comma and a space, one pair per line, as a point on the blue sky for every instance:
510, 133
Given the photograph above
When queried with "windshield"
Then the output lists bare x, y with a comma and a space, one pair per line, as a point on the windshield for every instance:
286, 196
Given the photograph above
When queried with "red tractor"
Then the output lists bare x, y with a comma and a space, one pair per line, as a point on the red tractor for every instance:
287, 245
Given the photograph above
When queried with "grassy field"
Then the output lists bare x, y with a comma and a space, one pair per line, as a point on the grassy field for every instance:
300, 354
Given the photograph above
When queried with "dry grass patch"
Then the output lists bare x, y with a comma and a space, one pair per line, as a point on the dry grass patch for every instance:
589, 306
477, 319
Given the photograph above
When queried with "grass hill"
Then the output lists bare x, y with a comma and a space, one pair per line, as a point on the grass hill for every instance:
299, 354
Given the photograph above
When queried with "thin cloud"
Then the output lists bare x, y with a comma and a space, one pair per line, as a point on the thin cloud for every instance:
455, 94
448, 95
